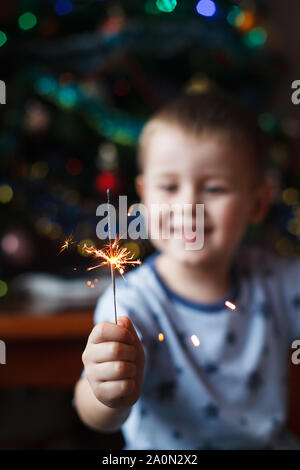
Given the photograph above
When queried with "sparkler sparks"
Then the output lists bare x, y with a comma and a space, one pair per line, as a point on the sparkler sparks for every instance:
67, 243
112, 255
195, 340
161, 337
230, 305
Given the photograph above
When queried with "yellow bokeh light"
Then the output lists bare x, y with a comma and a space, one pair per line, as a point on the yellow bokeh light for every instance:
133, 247
290, 196
39, 170
3, 288
6, 193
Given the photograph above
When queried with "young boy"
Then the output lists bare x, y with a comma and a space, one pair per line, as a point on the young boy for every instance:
229, 392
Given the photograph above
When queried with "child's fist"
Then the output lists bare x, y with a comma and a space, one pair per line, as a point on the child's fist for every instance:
114, 362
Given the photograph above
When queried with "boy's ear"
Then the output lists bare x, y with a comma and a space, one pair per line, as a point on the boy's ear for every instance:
139, 185
261, 203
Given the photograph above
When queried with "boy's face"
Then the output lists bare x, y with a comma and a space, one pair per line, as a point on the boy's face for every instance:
208, 169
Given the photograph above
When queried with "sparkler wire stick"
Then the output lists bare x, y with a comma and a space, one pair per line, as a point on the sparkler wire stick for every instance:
112, 269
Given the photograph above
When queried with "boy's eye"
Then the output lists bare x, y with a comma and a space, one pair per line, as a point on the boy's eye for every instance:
215, 189
168, 187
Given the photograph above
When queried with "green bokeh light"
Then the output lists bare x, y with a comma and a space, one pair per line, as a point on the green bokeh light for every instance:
67, 97
27, 20
166, 5
234, 16
47, 85
3, 288
3, 38
256, 37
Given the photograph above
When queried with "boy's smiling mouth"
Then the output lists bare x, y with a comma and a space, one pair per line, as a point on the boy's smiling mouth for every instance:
190, 237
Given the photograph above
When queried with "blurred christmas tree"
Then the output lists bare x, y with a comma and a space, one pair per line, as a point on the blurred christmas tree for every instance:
83, 75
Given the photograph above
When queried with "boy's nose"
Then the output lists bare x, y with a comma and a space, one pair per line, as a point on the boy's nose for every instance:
192, 196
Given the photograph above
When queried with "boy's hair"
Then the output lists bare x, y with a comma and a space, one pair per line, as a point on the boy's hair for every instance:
215, 111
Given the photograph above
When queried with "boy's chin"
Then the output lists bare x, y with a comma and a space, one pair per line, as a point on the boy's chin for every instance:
191, 257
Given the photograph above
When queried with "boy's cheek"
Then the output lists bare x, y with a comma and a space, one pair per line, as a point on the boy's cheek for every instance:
229, 216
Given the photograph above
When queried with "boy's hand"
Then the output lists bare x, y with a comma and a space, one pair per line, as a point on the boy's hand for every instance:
114, 362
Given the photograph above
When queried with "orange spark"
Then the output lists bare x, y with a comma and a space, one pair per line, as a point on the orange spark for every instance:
112, 255
160, 337
68, 242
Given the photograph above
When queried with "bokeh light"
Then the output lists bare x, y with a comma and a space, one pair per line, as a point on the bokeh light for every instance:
46, 85
3, 288
39, 170
3, 38
27, 21
133, 247
63, 7
106, 180
256, 37
166, 5
236, 16
290, 196
206, 8
10, 243
67, 97
245, 20
6, 193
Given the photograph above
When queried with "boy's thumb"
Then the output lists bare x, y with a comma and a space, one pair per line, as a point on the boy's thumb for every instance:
127, 323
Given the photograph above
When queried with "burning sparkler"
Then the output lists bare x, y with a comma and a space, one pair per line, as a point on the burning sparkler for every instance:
115, 257
112, 255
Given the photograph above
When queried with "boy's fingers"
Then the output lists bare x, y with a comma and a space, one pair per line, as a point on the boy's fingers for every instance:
106, 331
127, 323
114, 351
116, 389
116, 370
